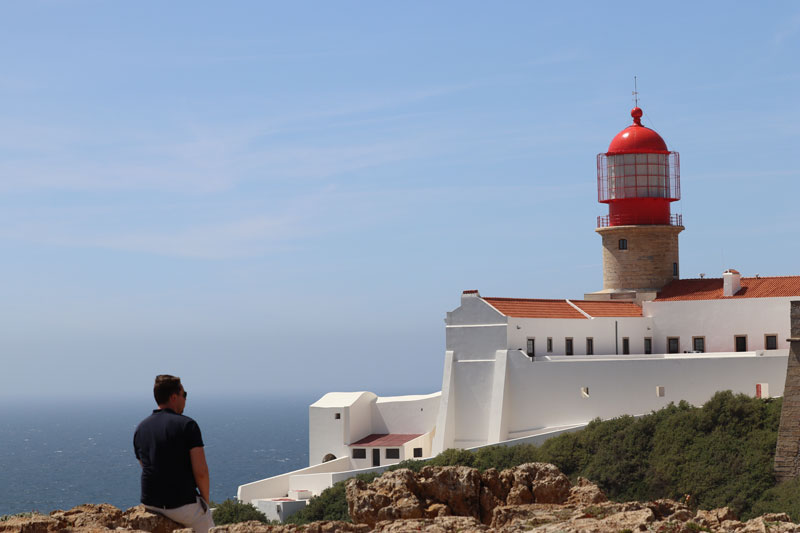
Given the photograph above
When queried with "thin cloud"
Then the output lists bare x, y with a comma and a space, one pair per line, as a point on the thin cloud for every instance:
788, 29
202, 158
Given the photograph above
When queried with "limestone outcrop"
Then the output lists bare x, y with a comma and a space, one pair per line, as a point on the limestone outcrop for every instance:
91, 518
531, 497
453, 490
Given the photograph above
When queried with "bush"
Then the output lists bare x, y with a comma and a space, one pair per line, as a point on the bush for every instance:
415, 465
233, 511
783, 498
330, 505
720, 454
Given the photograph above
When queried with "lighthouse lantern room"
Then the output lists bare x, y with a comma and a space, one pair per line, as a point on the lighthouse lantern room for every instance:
638, 177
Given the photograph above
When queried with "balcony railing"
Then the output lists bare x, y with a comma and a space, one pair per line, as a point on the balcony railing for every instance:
604, 221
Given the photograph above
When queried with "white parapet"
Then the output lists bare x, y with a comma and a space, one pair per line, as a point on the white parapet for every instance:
278, 486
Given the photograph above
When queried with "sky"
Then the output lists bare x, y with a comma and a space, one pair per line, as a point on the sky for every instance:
275, 198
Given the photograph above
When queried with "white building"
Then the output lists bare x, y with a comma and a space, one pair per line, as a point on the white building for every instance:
522, 370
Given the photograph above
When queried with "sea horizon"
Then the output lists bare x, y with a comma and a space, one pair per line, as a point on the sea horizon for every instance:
59, 454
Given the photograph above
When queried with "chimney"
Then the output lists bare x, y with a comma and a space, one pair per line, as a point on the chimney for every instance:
731, 282
469, 295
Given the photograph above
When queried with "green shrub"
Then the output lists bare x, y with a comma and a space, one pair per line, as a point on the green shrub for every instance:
720, 454
415, 465
233, 511
783, 498
453, 457
330, 505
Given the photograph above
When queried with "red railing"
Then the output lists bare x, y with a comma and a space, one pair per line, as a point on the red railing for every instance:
605, 221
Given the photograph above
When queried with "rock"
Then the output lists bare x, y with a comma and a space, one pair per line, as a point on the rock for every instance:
670, 510
90, 518
714, 517
140, 518
584, 492
539, 483
763, 524
493, 492
389, 497
458, 491
683, 515
437, 509
251, 526
34, 523
776, 517
90, 515
510, 516
324, 526
458, 487
442, 524
634, 520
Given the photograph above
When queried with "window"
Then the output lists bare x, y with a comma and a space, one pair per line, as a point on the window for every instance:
337, 416
359, 453
529, 350
648, 345
740, 341
417, 452
568, 346
549, 344
770, 342
699, 344
589, 346
674, 270
626, 346
393, 453
673, 344
623, 244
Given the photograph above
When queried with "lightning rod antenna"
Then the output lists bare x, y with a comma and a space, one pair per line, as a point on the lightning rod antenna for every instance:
635, 92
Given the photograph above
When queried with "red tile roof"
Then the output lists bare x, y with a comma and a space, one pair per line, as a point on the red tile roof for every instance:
621, 309
534, 308
386, 439
711, 288
530, 308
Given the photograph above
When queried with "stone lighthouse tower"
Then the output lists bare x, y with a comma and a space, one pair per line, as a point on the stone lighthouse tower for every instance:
638, 177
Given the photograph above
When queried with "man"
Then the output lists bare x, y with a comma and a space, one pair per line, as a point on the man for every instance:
170, 449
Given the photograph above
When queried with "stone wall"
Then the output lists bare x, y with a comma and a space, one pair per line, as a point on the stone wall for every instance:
787, 453
647, 263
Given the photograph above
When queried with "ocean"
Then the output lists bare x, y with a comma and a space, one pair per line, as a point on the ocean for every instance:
60, 455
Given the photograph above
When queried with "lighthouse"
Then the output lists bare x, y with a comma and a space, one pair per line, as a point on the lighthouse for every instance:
638, 177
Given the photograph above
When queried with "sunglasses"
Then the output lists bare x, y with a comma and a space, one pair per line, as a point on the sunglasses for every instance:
184, 394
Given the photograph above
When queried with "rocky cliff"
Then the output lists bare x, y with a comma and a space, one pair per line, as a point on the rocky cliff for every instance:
530, 497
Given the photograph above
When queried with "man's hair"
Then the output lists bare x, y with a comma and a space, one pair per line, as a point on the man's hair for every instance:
165, 387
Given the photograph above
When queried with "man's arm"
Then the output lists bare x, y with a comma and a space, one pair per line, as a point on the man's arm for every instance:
200, 470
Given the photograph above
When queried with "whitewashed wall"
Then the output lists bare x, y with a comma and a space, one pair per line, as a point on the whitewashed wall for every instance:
406, 452
606, 332
363, 413
405, 414
360, 419
719, 321
535, 394
278, 486
327, 434
548, 393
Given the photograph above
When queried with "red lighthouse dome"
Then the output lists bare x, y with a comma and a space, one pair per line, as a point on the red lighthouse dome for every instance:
637, 138
638, 177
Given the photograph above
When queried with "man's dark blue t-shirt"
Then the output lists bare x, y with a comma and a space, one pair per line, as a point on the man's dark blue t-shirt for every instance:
162, 442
